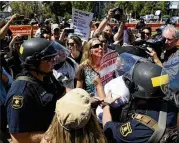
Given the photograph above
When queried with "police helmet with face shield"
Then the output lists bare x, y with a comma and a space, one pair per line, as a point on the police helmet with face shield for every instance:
34, 50
142, 77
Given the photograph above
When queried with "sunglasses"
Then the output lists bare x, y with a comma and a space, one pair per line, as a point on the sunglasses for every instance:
71, 44
96, 46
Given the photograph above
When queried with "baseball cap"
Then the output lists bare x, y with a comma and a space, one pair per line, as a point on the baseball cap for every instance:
73, 110
54, 26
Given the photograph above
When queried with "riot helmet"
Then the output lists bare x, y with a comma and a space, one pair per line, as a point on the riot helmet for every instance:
147, 79
34, 50
142, 77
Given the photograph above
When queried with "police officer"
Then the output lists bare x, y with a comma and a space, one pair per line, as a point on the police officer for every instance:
32, 97
148, 99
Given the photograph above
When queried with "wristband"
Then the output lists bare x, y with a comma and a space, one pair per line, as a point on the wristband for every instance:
105, 104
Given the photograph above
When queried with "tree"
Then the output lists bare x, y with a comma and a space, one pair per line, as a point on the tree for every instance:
108, 6
137, 7
58, 8
25, 8
3, 5
125, 5
83, 5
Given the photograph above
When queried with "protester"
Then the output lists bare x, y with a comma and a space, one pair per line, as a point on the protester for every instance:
14, 54
90, 67
148, 32
45, 28
5, 33
75, 45
77, 123
106, 27
31, 99
103, 37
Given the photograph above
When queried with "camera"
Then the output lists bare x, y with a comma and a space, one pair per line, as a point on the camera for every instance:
118, 14
156, 43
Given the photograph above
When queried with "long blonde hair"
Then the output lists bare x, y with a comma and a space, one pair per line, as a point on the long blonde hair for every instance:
91, 133
86, 58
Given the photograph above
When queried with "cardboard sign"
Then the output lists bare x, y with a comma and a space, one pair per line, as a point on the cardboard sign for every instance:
81, 23
108, 66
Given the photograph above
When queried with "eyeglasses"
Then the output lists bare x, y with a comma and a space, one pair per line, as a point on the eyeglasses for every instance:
71, 44
96, 46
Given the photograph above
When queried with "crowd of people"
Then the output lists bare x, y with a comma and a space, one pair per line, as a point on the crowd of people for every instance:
52, 92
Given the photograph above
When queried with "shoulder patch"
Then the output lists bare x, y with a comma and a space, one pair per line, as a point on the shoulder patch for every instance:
17, 102
125, 129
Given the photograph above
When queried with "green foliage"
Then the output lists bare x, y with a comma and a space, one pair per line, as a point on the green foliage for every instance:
108, 6
83, 5
3, 5
25, 8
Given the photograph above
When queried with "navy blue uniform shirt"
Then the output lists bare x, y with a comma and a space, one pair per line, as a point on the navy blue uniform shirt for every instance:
135, 132
31, 106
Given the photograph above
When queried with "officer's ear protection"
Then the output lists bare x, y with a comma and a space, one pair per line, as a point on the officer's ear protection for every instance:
130, 84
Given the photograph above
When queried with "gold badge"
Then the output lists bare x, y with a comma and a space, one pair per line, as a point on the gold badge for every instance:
21, 49
17, 102
125, 129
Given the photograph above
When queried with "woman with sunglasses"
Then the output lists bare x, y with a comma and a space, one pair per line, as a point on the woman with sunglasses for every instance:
89, 68
75, 46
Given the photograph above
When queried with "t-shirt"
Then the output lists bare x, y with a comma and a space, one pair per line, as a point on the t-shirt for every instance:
78, 59
86, 74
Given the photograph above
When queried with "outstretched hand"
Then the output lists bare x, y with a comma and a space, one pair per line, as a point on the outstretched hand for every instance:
109, 99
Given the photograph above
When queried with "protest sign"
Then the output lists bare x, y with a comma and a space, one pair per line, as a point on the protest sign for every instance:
108, 66
81, 23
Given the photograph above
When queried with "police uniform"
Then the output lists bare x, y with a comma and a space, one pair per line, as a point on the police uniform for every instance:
145, 89
30, 102
135, 131
30, 107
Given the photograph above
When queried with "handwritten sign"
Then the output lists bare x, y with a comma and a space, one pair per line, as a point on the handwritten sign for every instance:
108, 67
81, 23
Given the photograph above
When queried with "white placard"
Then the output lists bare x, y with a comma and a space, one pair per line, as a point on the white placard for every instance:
81, 23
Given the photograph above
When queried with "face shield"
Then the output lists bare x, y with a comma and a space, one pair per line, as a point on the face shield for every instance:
125, 64
62, 52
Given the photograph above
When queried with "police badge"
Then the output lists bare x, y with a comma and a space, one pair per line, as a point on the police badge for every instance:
17, 102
